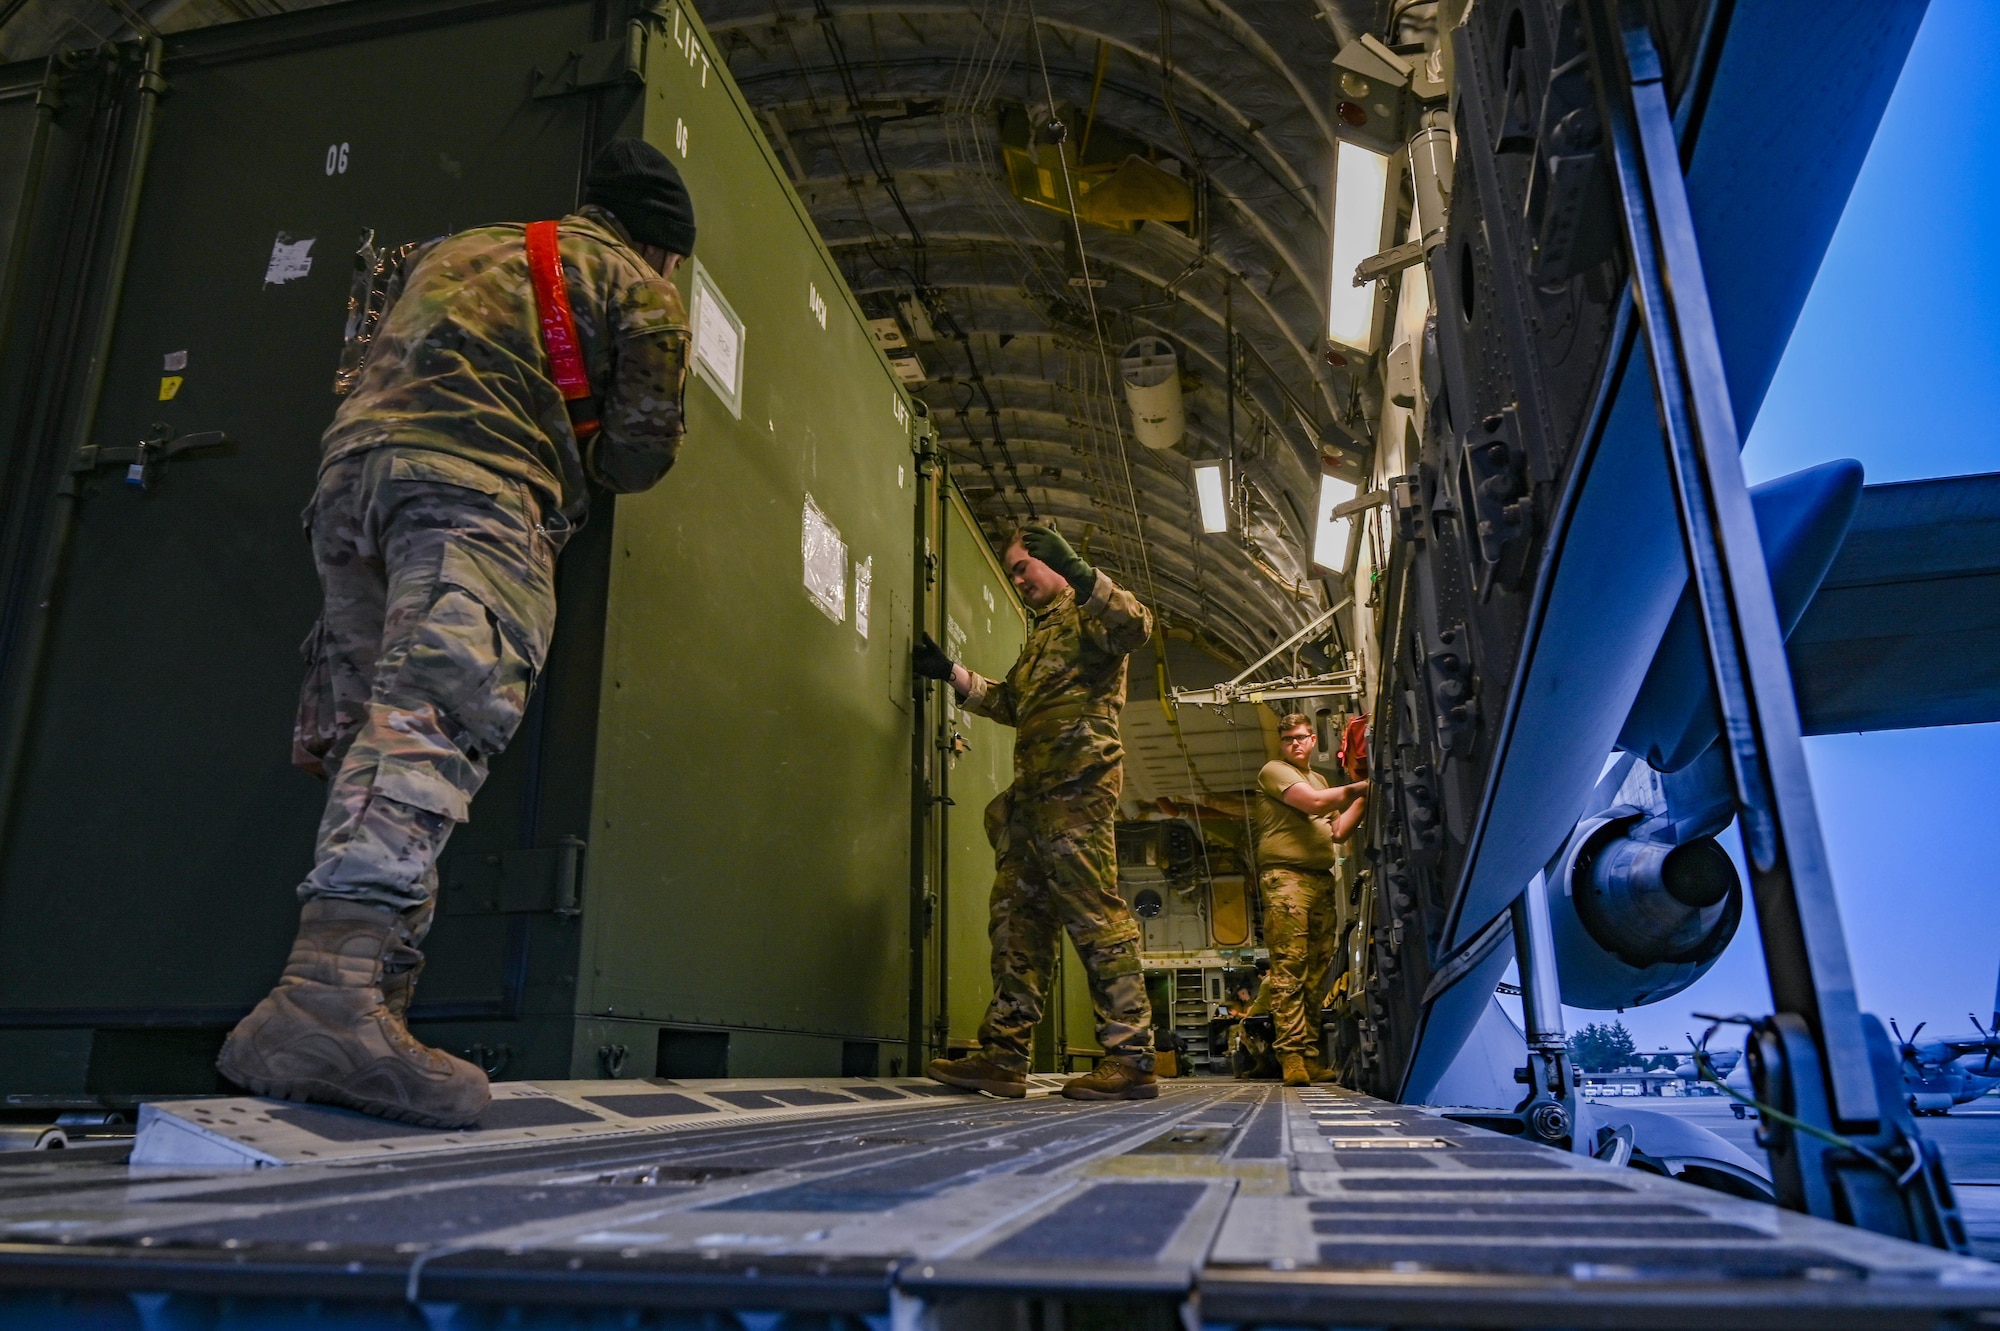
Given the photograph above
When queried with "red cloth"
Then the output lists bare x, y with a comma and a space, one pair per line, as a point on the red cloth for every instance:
1355, 741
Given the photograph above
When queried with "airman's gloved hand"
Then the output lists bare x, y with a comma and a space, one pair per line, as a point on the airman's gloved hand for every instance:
1047, 545
930, 660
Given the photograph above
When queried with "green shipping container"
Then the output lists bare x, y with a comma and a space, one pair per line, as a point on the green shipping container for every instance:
713, 848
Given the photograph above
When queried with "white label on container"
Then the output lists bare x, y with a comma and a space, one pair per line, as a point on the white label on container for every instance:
864, 582
715, 341
290, 259
954, 638
176, 360
718, 340
825, 563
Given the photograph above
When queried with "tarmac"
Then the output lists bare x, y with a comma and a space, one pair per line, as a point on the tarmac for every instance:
1969, 1136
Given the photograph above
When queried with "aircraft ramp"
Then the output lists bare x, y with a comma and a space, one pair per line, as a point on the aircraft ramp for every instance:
895, 1204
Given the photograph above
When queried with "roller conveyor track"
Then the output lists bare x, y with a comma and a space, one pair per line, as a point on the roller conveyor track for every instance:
892, 1205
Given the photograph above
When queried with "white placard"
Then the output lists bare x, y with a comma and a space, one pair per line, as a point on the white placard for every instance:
864, 582
718, 341
825, 562
290, 260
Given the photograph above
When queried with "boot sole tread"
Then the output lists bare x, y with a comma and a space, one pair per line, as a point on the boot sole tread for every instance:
1006, 1090
1136, 1093
307, 1091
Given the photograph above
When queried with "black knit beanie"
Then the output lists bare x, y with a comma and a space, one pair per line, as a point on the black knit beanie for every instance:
642, 189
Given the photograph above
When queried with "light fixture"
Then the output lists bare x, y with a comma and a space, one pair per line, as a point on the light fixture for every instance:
1332, 535
1211, 487
1360, 206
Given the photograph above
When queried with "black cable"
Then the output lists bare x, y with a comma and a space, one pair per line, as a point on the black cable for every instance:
870, 131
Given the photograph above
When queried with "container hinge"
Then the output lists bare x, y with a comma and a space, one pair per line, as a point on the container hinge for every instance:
610, 63
546, 879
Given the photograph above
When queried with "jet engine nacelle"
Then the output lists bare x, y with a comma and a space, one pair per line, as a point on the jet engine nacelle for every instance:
1638, 920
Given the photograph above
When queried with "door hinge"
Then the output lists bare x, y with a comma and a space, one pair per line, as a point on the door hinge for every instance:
609, 63
547, 879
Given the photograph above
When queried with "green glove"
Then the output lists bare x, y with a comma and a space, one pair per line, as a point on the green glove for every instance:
930, 660
1047, 545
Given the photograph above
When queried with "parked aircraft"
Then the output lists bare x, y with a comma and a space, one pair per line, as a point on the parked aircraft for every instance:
1942, 1073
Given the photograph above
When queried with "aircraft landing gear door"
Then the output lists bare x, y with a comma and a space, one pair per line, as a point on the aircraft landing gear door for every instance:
156, 813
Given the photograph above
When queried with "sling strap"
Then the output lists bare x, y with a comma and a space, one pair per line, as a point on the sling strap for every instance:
559, 328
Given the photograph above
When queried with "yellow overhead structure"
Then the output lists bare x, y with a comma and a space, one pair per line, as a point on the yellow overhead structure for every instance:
1117, 190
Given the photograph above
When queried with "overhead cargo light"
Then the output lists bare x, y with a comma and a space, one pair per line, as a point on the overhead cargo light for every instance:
1211, 487
1360, 206
1333, 536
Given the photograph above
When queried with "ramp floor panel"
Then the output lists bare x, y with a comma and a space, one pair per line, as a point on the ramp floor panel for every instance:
1252, 1203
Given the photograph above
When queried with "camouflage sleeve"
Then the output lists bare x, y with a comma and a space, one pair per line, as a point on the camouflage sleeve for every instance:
992, 698
1113, 619
640, 426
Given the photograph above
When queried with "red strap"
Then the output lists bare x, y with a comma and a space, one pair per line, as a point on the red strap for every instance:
559, 328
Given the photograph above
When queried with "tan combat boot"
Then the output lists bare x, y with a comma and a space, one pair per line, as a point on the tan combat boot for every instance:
1126, 1078
1295, 1069
325, 1034
1318, 1071
974, 1073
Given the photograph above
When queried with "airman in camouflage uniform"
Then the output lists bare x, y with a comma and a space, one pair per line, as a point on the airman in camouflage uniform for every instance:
1301, 817
1053, 829
449, 479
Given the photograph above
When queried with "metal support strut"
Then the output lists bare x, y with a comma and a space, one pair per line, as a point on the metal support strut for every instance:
1818, 1058
1549, 1109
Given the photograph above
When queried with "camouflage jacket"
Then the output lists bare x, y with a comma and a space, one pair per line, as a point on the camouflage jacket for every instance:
458, 364
1065, 692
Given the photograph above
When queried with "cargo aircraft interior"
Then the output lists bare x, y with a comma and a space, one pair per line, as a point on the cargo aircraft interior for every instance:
1371, 375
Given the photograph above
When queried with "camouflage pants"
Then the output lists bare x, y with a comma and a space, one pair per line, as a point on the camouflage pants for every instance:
1059, 873
1299, 928
1250, 1053
439, 602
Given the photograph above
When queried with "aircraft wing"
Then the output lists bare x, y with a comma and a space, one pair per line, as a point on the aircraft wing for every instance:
1905, 631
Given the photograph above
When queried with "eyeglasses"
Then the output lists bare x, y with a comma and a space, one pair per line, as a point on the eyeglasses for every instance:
1297, 739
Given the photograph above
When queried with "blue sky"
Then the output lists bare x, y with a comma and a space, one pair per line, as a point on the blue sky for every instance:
1896, 362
